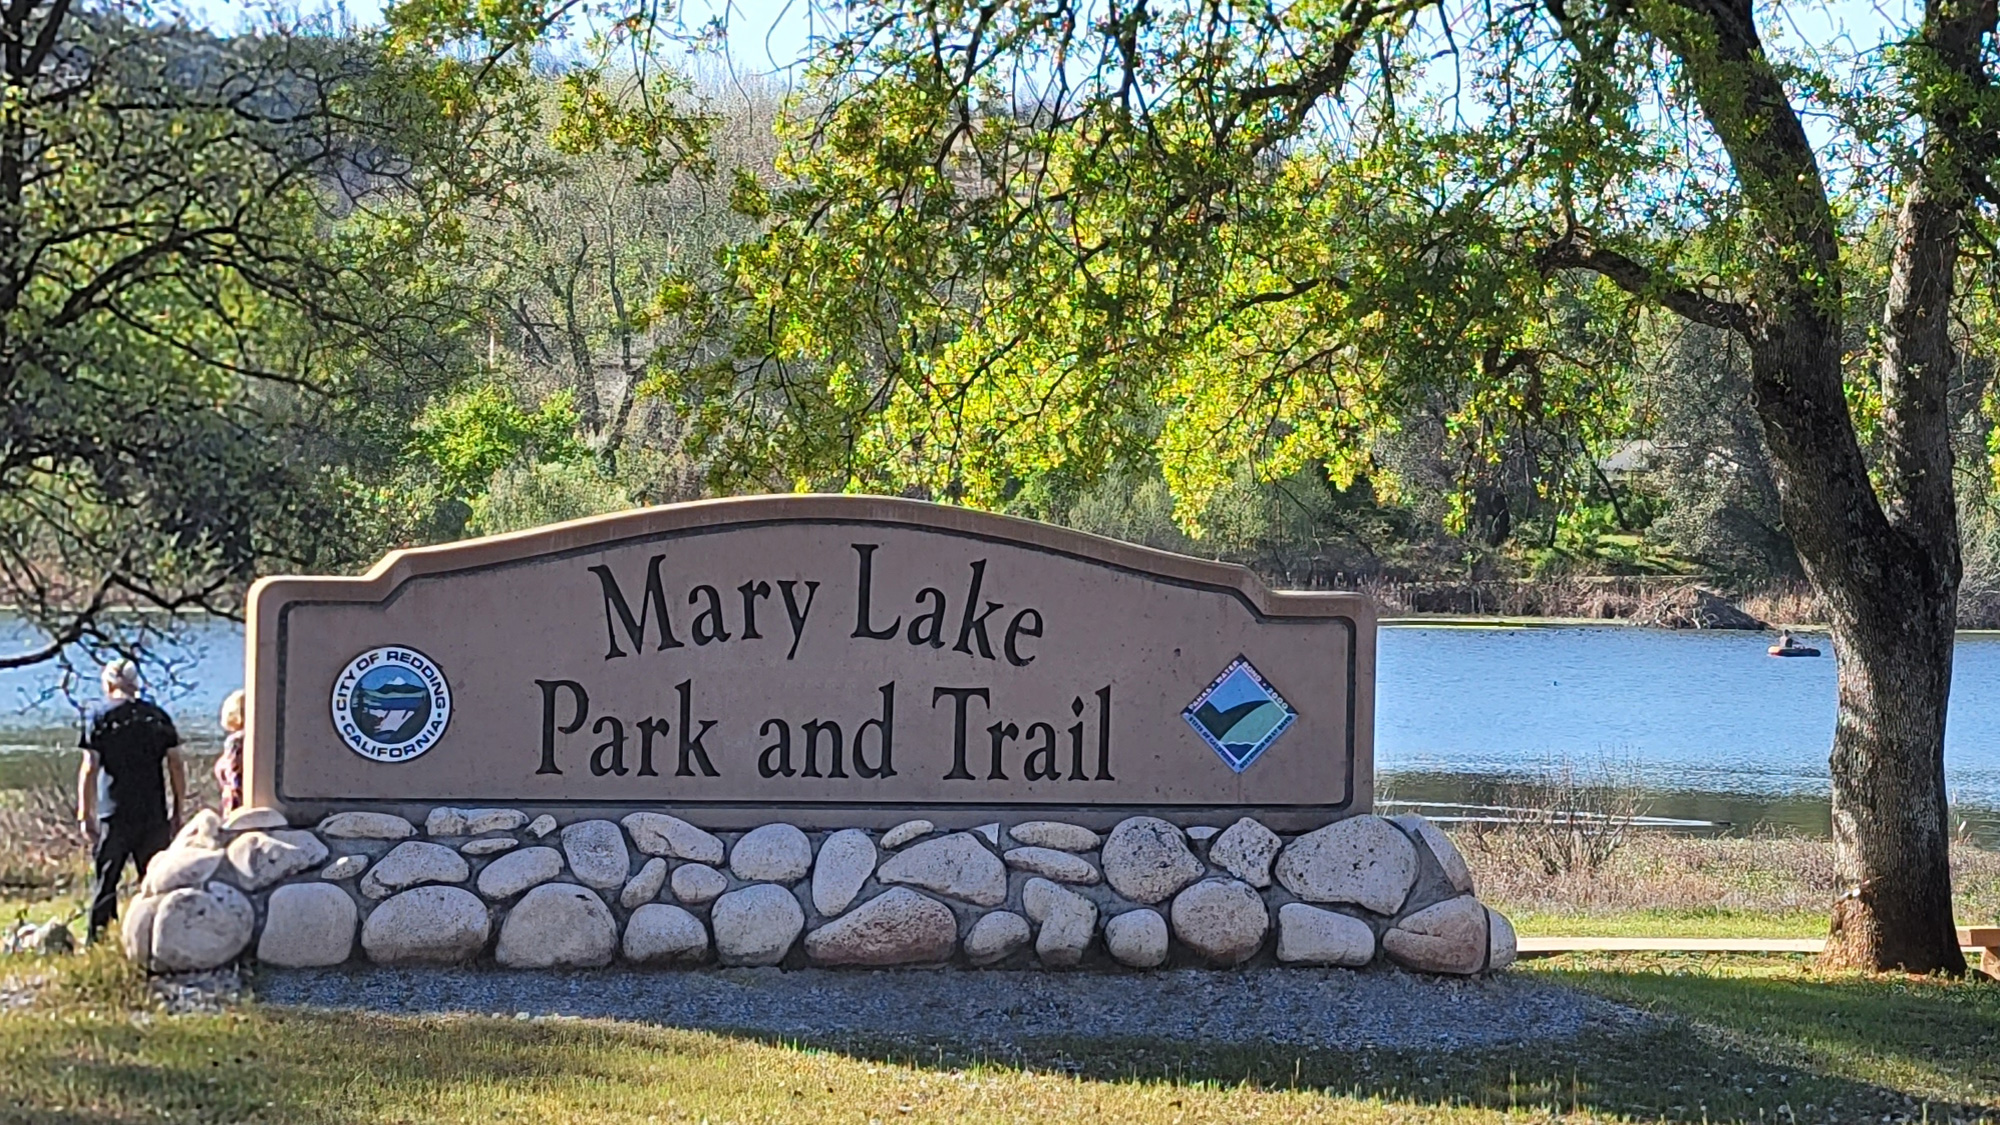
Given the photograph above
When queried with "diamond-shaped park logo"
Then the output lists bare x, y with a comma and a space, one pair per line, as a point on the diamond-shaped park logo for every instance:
1239, 715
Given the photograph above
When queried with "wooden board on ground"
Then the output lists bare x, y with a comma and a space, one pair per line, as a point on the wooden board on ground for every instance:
1982, 940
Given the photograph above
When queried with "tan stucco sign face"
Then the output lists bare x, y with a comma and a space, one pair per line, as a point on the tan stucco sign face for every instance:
836, 660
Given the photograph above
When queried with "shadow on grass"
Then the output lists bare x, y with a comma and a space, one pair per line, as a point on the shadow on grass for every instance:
1727, 1048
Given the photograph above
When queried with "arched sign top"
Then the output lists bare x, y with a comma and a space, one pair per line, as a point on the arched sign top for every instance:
836, 659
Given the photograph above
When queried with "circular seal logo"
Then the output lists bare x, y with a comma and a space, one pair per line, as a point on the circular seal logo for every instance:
391, 704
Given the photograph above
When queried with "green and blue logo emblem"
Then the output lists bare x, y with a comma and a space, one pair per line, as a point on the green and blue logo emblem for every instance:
1239, 715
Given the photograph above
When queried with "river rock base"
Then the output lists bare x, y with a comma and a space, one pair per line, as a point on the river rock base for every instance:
655, 890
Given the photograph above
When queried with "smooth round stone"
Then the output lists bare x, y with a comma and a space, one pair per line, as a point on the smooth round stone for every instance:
1147, 860
958, 866
996, 936
345, 867
180, 867
1222, 920
1501, 945
1137, 938
135, 929
645, 886
412, 863
541, 826
259, 859
659, 934
1245, 849
845, 862
517, 871
697, 883
1052, 864
472, 822
1308, 935
201, 927
898, 927
253, 817
427, 925
597, 853
494, 846
1450, 937
557, 925
1068, 922
1054, 834
308, 926
670, 836
775, 853
366, 826
756, 925
1364, 860
905, 832
1453, 864
203, 831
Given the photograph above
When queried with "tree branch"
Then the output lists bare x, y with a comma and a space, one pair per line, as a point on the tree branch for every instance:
1641, 280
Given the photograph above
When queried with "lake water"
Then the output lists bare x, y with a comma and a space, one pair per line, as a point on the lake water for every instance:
1716, 729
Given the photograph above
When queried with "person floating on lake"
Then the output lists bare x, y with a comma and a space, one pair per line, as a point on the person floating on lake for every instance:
229, 763
121, 801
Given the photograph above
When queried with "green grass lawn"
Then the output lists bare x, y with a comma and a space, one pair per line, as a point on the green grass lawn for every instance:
1735, 1039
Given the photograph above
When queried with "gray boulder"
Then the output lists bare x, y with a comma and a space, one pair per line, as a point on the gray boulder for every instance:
658, 934
1147, 860
1137, 938
308, 925
1308, 935
413, 863
756, 925
1222, 920
897, 927
774, 853
428, 925
597, 853
201, 927
517, 871
259, 859
1364, 860
958, 866
845, 862
557, 925
1450, 937
996, 936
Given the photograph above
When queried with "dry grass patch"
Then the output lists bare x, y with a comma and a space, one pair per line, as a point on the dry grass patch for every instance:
1762, 885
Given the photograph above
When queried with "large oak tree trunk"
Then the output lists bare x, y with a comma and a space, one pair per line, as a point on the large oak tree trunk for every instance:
1892, 601
1886, 563
1890, 828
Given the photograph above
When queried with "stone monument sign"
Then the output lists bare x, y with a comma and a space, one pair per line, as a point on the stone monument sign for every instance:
832, 661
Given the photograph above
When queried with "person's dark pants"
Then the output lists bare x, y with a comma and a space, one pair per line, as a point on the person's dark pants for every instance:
118, 841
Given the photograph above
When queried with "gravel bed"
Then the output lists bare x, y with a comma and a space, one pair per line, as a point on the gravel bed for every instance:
982, 1010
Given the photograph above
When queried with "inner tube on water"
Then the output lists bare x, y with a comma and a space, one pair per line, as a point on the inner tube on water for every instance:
1779, 650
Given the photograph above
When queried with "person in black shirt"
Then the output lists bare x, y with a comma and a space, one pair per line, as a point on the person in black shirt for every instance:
120, 798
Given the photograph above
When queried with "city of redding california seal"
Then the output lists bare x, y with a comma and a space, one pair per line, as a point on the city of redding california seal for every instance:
391, 704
